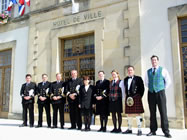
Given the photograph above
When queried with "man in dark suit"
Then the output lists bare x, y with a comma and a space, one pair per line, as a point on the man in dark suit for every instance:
72, 91
134, 89
58, 99
44, 100
28, 91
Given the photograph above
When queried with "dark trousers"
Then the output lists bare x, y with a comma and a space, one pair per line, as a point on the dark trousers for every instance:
59, 107
29, 107
48, 115
75, 115
158, 99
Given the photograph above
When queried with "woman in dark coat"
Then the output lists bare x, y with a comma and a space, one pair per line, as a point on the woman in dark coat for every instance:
102, 100
87, 101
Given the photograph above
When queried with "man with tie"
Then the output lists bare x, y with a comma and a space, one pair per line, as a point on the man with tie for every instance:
44, 100
28, 91
134, 89
157, 79
72, 90
58, 99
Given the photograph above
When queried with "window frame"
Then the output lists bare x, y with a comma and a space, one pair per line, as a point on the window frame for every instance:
181, 46
1, 5
78, 58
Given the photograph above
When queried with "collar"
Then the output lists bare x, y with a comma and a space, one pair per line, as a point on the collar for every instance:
154, 67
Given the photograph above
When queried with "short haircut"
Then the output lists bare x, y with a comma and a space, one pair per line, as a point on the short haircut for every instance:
28, 75
154, 56
130, 66
74, 70
59, 74
101, 71
86, 78
44, 74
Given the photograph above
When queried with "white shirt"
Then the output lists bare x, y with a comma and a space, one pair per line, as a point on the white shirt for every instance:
129, 82
86, 88
165, 74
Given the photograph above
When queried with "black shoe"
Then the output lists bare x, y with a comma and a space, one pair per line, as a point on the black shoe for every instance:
139, 133
38, 126
54, 127
31, 125
114, 130
119, 130
167, 135
151, 134
62, 127
72, 128
127, 132
23, 125
104, 129
101, 129
79, 128
48, 126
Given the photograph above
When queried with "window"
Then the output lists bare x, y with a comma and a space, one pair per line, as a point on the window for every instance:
183, 52
183, 30
5, 76
79, 53
3, 5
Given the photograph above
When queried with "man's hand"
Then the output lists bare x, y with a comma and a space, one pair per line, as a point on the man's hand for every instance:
55, 98
42, 98
99, 97
27, 97
58, 97
73, 96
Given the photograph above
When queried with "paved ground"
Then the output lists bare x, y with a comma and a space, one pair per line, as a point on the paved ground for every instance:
9, 130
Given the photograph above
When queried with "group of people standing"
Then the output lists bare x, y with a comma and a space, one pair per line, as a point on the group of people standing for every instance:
105, 97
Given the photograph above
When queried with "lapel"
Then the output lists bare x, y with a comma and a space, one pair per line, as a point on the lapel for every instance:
86, 92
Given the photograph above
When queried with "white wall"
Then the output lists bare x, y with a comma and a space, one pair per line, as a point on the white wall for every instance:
155, 39
20, 62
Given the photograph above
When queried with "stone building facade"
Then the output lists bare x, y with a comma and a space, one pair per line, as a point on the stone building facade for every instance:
101, 35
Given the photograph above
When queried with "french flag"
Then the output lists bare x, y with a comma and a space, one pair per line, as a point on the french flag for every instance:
12, 2
28, 2
21, 10
22, 2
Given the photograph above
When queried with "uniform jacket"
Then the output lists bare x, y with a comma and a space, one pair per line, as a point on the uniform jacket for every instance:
42, 91
57, 90
71, 88
136, 87
25, 89
102, 89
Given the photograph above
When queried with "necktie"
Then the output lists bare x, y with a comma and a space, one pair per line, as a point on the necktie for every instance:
130, 77
43, 83
154, 71
114, 82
